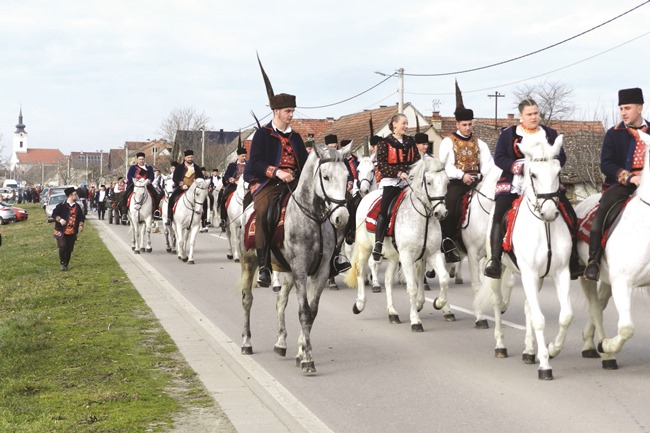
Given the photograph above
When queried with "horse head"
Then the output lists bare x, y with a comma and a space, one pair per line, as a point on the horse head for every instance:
330, 179
139, 193
168, 185
366, 173
542, 175
200, 190
428, 181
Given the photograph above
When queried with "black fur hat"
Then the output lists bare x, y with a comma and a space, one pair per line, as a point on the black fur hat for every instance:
461, 112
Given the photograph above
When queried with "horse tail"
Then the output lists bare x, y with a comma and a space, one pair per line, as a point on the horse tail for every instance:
351, 276
483, 298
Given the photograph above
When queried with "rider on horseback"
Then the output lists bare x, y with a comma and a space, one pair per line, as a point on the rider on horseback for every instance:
230, 179
277, 156
141, 170
621, 160
509, 158
467, 158
395, 154
184, 176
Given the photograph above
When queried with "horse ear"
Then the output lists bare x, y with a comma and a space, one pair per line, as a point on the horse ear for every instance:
347, 150
557, 146
318, 150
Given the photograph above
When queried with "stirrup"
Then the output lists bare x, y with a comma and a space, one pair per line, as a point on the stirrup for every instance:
341, 264
450, 251
264, 277
157, 214
376, 251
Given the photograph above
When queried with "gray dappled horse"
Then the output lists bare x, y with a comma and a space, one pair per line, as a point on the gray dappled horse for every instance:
187, 219
140, 214
316, 209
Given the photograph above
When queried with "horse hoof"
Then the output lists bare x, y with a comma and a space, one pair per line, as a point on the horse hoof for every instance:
376, 289
229, 256
435, 304
528, 358
545, 374
449, 317
431, 274
355, 310
501, 353
308, 367
246, 350
298, 361
190, 262
481, 324
185, 259
458, 281
276, 289
169, 250
590, 353
132, 248
282, 351
394, 319
610, 364
236, 260
148, 250
417, 327
427, 287
136, 251
142, 250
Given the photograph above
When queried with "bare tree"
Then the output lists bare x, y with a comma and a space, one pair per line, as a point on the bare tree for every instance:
552, 97
184, 119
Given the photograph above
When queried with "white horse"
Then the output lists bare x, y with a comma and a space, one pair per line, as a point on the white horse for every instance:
623, 267
235, 221
140, 216
170, 236
417, 236
542, 246
473, 228
213, 211
316, 209
187, 219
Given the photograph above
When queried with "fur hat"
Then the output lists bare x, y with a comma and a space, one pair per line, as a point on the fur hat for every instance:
345, 142
309, 144
331, 139
630, 96
461, 112
241, 151
374, 140
69, 191
279, 101
421, 137
188, 152
139, 154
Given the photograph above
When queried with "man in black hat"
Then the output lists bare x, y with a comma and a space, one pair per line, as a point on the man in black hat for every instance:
184, 176
621, 161
68, 222
141, 170
277, 156
230, 179
466, 158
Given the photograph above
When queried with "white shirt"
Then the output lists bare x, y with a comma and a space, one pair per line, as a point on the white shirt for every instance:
448, 158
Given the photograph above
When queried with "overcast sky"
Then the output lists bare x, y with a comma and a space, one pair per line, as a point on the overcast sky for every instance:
91, 75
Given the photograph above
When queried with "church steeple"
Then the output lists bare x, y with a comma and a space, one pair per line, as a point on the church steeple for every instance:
21, 126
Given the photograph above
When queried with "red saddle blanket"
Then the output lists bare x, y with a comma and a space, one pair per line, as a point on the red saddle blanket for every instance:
584, 224
512, 216
278, 235
371, 218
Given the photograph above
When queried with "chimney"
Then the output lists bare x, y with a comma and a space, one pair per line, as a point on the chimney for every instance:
436, 120
511, 116
436, 115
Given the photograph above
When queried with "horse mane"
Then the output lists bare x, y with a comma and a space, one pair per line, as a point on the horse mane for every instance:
425, 164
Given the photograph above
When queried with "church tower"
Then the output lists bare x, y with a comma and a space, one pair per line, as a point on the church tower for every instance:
20, 136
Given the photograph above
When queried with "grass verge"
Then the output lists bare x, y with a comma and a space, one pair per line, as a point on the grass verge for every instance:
80, 351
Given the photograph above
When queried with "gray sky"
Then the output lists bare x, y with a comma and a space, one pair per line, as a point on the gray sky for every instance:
93, 74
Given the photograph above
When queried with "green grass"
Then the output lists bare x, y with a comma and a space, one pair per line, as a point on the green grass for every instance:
80, 351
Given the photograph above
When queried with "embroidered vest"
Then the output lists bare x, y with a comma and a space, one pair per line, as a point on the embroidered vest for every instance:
288, 157
189, 177
466, 154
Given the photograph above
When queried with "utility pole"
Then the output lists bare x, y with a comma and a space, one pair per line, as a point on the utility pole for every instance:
400, 106
202, 145
496, 97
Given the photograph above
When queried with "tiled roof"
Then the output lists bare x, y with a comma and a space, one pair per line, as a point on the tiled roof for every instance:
355, 126
311, 127
38, 156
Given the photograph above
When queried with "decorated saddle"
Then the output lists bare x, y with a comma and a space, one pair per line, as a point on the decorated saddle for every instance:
371, 218
278, 233
584, 224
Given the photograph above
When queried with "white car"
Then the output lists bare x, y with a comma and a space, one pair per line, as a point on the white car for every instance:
6, 213
51, 204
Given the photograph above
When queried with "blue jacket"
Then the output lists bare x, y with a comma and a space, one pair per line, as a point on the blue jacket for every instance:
231, 172
266, 151
506, 153
135, 171
616, 153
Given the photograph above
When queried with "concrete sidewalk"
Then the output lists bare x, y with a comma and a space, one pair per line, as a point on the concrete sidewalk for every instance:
251, 398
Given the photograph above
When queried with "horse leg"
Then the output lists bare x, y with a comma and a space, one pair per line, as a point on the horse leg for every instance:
590, 290
562, 285
280, 306
360, 257
248, 267
532, 284
374, 275
440, 303
148, 225
389, 278
474, 265
306, 320
194, 230
275, 281
410, 274
622, 294
229, 235
494, 285
458, 275
181, 240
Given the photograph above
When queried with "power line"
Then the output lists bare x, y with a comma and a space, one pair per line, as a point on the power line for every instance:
442, 74
536, 76
352, 97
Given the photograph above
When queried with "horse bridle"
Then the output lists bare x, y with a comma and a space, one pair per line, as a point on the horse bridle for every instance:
544, 197
440, 199
193, 206
328, 200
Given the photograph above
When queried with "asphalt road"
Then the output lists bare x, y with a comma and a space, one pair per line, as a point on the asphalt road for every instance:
376, 377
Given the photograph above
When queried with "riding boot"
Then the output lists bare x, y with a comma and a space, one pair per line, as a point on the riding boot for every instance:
264, 275
493, 267
380, 232
575, 267
339, 263
450, 249
592, 271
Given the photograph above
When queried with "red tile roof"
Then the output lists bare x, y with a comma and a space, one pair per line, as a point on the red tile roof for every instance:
315, 127
355, 126
38, 156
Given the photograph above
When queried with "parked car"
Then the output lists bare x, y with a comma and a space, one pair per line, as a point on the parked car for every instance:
5, 194
21, 214
6, 213
44, 196
51, 204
